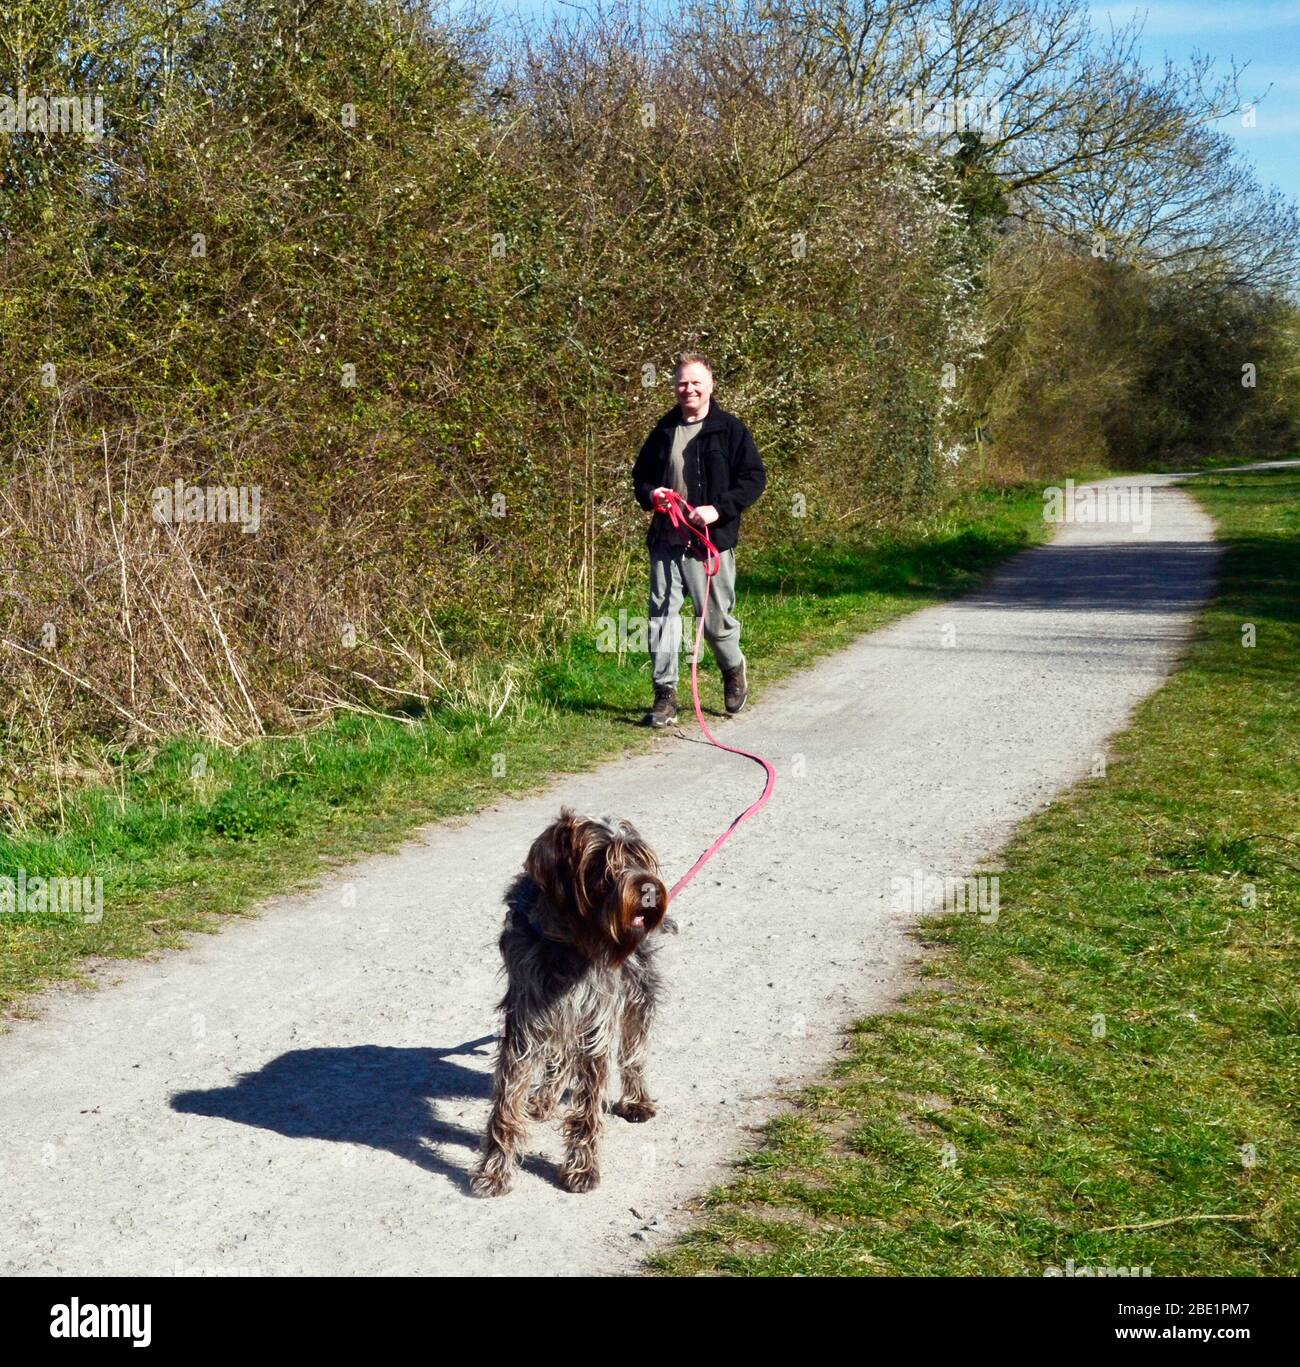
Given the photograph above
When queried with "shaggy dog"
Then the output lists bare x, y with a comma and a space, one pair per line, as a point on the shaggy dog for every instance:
579, 958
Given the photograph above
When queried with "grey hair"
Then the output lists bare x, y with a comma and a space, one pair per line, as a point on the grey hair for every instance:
691, 358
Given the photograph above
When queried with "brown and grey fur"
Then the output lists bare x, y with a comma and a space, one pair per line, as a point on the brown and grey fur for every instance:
578, 950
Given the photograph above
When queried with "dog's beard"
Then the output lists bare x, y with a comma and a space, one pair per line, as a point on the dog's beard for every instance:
638, 905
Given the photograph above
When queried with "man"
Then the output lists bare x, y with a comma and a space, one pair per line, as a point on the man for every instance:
708, 456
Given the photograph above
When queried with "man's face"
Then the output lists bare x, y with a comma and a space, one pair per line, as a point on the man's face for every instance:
694, 385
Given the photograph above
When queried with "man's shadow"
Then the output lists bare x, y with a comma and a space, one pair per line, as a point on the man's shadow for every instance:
366, 1094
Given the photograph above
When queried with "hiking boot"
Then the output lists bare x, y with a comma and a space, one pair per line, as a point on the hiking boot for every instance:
735, 687
664, 711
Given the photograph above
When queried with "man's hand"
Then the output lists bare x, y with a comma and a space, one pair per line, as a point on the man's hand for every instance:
707, 513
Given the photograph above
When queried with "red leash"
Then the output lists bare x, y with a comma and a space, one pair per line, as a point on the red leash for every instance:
680, 514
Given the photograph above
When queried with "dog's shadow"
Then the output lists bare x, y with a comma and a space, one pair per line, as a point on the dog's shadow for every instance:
366, 1094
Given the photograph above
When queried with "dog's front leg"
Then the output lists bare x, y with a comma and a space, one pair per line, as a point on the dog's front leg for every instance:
506, 1125
582, 1128
635, 1104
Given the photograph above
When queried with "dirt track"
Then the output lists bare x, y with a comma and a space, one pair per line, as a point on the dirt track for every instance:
303, 1093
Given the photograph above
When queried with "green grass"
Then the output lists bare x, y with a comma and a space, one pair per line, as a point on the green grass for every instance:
191, 833
1084, 1076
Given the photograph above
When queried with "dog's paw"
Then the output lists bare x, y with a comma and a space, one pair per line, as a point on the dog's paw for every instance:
635, 1112
587, 1179
540, 1108
488, 1183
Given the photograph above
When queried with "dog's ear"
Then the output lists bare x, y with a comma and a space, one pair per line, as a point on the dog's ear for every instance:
553, 862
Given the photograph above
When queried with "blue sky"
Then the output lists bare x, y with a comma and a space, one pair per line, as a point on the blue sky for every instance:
1263, 33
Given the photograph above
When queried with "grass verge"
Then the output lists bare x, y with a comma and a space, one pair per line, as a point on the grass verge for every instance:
190, 832
1107, 1074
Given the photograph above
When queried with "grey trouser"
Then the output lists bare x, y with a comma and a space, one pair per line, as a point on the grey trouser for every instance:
670, 569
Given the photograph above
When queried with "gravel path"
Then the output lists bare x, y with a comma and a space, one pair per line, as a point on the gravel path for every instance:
304, 1092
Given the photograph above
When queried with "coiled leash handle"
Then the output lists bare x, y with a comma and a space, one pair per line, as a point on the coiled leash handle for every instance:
686, 520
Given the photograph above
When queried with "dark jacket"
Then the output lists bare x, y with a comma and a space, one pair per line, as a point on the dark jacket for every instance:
722, 467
